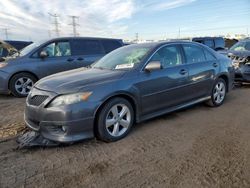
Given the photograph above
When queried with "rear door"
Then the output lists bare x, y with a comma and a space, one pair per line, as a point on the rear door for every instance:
203, 67
86, 51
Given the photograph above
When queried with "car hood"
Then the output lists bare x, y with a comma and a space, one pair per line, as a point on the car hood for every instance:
75, 80
239, 53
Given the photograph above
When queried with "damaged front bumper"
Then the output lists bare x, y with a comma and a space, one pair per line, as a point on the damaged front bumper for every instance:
33, 139
242, 68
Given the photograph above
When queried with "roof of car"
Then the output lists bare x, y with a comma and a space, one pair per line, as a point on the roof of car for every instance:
96, 38
204, 38
155, 44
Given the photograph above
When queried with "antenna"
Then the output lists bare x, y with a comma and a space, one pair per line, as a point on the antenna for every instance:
74, 24
55, 23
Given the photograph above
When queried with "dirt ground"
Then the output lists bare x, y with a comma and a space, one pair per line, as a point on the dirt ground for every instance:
196, 147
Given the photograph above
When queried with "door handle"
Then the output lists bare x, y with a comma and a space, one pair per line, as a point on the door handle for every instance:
183, 72
70, 59
215, 64
80, 58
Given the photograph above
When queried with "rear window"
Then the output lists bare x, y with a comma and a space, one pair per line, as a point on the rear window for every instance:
194, 54
209, 55
110, 45
86, 47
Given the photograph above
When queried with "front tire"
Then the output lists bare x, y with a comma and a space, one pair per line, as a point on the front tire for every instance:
115, 120
21, 84
218, 94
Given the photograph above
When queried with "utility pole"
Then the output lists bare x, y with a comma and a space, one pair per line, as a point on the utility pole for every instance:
55, 23
136, 37
6, 33
49, 33
74, 24
179, 34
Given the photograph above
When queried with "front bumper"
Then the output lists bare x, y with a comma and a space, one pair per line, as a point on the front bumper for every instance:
4, 79
61, 124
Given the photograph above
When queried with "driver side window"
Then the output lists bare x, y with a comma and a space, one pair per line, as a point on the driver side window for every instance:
58, 49
168, 56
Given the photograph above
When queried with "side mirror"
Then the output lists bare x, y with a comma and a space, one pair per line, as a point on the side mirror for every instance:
43, 54
153, 65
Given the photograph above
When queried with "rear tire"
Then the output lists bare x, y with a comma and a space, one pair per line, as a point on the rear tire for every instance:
115, 120
21, 84
218, 94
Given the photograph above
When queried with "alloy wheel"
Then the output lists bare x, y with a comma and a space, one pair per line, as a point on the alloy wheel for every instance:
219, 92
23, 85
118, 120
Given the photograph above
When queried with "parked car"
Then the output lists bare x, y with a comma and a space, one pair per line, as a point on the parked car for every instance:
19, 72
129, 85
216, 43
240, 55
10, 47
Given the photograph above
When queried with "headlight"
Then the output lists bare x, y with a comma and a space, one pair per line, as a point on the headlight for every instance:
70, 99
3, 64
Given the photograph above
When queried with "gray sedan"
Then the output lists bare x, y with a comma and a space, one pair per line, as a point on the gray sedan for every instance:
127, 86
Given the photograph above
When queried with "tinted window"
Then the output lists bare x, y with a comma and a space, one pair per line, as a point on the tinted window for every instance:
219, 43
110, 45
58, 49
209, 43
168, 56
209, 55
87, 47
194, 54
1, 51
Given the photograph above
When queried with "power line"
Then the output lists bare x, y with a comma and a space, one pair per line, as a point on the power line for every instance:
55, 23
74, 25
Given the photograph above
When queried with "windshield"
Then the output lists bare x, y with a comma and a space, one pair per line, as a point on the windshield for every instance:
123, 58
241, 46
28, 49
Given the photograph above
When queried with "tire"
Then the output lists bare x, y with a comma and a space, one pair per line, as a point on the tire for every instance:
219, 88
111, 124
21, 84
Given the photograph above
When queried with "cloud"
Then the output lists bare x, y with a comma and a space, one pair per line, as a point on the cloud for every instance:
29, 19
167, 4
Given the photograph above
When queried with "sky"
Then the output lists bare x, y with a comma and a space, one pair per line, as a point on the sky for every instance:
151, 19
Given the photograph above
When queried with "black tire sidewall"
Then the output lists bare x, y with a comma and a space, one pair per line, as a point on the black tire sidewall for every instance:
212, 95
15, 78
101, 128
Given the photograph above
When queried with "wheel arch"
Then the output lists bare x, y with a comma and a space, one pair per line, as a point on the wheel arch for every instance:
226, 79
31, 73
124, 95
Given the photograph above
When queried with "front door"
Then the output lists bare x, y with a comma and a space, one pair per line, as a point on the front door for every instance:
58, 59
164, 88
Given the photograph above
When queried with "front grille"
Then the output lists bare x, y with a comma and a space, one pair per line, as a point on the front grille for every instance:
37, 100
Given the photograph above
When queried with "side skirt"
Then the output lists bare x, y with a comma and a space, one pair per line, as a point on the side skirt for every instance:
172, 109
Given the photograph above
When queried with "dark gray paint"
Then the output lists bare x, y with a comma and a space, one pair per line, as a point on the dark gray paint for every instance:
152, 93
